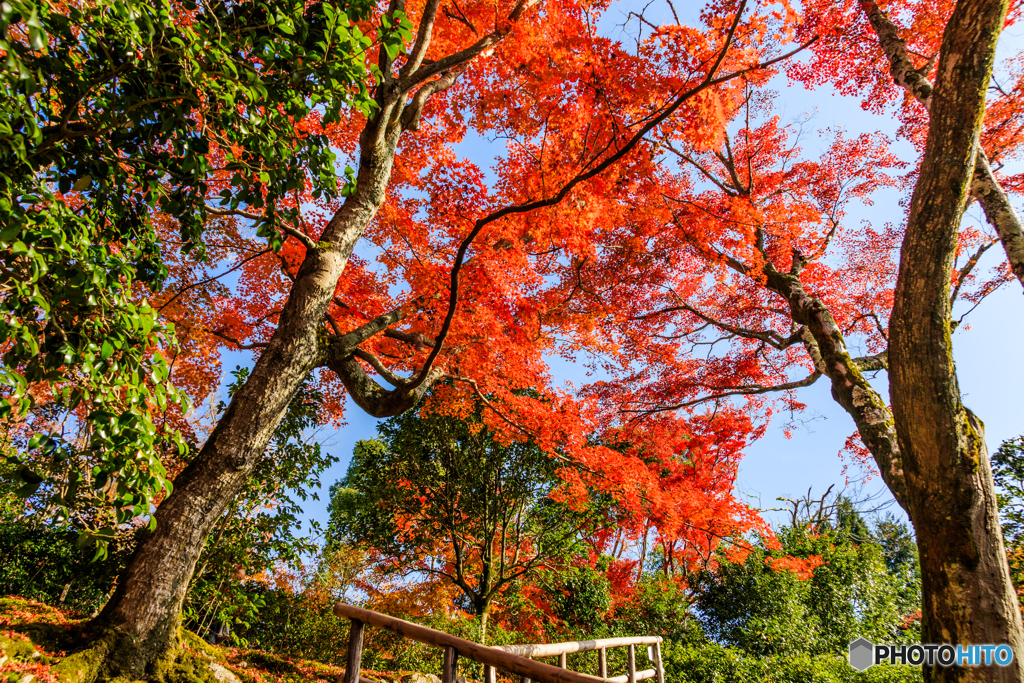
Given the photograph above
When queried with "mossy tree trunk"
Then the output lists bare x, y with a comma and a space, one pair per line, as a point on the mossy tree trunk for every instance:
145, 610
968, 597
930, 449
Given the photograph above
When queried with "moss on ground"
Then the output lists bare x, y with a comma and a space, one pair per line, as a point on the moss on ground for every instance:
52, 646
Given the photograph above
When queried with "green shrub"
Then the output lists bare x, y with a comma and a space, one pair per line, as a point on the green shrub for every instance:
711, 663
41, 563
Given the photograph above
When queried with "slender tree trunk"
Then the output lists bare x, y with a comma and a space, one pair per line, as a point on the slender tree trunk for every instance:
968, 597
484, 613
643, 553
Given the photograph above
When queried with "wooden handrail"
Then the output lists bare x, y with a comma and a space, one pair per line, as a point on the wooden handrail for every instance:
552, 649
488, 656
510, 658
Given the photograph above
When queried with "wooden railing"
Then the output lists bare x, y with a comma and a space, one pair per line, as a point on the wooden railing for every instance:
602, 645
514, 659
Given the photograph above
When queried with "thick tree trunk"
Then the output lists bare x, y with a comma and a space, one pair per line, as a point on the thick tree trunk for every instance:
966, 589
142, 619
968, 597
140, 623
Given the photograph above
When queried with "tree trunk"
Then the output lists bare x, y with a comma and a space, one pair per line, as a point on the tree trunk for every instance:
142, 618
484, 613
968, 597
966, 590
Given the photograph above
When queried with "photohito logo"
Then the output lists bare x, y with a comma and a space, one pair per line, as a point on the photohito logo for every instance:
864, 654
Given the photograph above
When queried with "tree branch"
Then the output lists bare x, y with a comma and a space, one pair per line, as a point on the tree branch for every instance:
708, 81
770, 337
212, 278
747, 390
306, 240
379, 368
240, 345
984, 187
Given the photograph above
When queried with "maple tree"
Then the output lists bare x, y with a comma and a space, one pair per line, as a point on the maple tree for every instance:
461, 294
625, 190
439, 495
743, 246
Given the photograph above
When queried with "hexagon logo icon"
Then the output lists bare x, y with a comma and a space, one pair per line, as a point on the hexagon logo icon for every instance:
861, 654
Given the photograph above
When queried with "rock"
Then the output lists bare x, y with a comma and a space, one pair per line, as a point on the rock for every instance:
420, 678
223, 674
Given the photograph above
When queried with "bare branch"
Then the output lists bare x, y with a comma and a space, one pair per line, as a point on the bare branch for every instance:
770, 337
879, 361
415, 339
212, 278
427, 71
965, 271
306, 240
375, 363
423, 35
240, 345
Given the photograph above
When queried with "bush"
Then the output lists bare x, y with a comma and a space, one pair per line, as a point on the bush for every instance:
711, 663
46, 564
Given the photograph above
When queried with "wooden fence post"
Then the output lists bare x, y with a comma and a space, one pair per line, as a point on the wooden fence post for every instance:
632, 664
451, 665
602, 662
563, 661
490, 675
657, 663
355, 652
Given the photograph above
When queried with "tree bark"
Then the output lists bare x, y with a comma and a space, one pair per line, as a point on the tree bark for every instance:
968, 597
484, 613
827, 348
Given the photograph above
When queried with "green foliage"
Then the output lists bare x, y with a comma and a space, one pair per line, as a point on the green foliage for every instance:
767, 612
1008, 473
112, 111
755, 608
579, 596
444, 496
296, 619
41, 563
297, 625
661, 606
260, 529
711, 663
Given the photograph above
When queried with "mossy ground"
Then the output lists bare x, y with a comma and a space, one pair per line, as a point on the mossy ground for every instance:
47, 644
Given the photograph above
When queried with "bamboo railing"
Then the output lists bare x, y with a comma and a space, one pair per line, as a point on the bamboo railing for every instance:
514, 659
